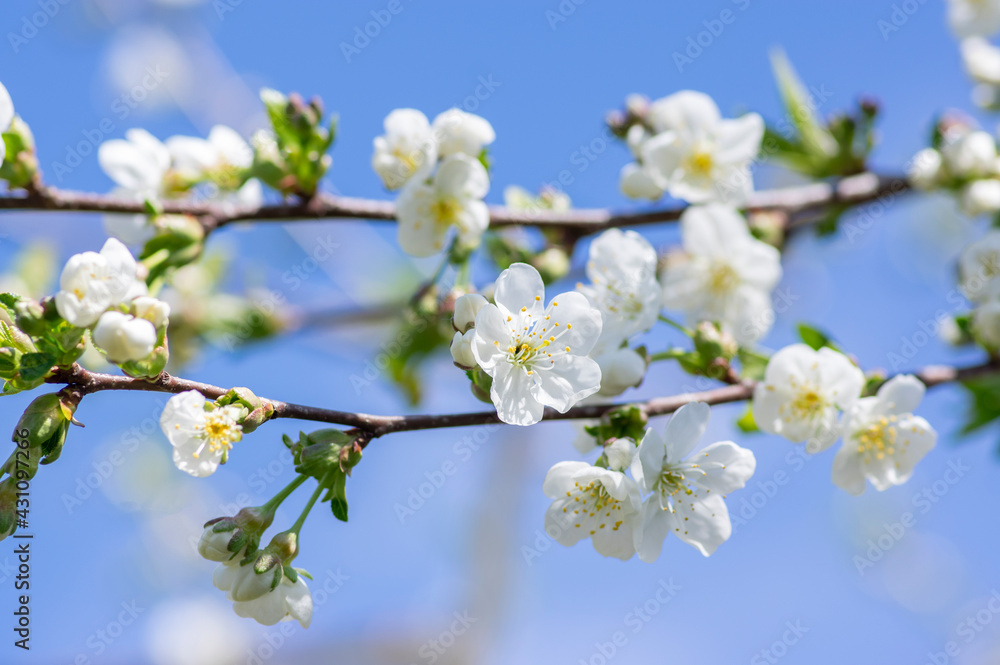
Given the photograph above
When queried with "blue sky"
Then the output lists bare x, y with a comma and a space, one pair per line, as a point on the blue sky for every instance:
470, 548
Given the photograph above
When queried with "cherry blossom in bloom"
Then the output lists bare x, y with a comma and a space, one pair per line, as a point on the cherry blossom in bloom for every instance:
803, 394
883, 440
591, 502
727, 276
537, 355
427, 211
92, 282
695, 154
201, 437
407, 150
687, 489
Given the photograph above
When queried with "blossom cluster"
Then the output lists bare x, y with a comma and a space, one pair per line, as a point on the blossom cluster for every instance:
103, 292
965, 161
684, 147
146, 169
816, 397
670, 489
973, 22
439, 168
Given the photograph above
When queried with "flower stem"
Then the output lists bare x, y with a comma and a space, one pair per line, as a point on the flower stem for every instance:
669, 354
305, 511
278, 498
671, 322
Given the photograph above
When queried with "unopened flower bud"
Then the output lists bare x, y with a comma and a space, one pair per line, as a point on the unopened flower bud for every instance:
124, 338
552, 264
619, 453
466, 309
155, 311
461, 349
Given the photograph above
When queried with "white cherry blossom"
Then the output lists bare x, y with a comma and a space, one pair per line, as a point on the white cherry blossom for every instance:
290, 601
407, 150
458, 132
91, 283
727, 276
803, 393
883, 440
925, 169
201, 438
621, 369
986, 324
622, 271
591, 502
453, 198
981, 197
698, 156
687, 489
138, 163
979, 268
970, 155
124, 337
537, 355
970, 18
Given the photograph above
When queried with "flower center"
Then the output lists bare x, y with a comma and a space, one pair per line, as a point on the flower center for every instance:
808, 404
878, 439
722, 278
218, 433
408, 158
593, 501
535, 341
701, 163
671, 482
446, 210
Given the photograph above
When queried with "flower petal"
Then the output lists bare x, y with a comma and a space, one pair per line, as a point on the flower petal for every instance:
685, 429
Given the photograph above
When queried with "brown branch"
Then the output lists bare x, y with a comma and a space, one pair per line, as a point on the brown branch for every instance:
86, 382
853, 190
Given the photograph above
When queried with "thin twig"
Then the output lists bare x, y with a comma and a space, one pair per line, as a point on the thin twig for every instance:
86, 382
853, 190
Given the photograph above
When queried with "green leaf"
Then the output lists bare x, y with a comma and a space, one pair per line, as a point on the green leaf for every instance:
35, 366
338, 496
746, 423
799, 106
813, 337
753, 364
985, 407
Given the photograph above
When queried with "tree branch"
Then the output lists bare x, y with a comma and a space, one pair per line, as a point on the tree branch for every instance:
853, 190
86, 382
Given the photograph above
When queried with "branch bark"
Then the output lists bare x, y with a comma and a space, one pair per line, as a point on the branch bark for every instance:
853, 190
86, 382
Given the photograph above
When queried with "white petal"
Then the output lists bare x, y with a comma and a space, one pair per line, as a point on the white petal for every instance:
462, 176
703, 523
738, 141
512, 395
559, 479
901, 394
685, 429
637, 182
656, 523
722, 467
519, 286
711, 230
847, 472
567, 381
